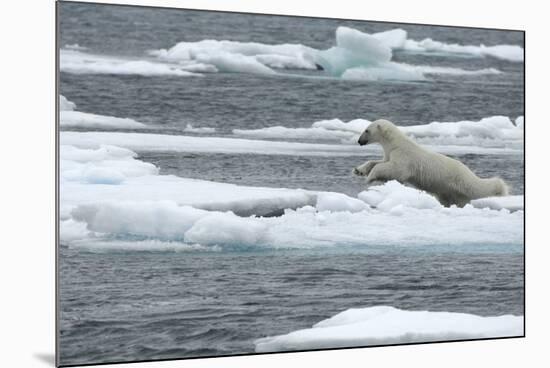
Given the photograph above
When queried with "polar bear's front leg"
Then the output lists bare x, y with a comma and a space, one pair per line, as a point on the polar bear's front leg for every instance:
366, 168
384, 171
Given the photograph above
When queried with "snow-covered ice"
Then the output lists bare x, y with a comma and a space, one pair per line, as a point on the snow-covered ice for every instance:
199, 130
145, 142
106, 193
490, 132
65, 104
77, 62
87, 120
68, 117
511, 203
383, 325
355, 55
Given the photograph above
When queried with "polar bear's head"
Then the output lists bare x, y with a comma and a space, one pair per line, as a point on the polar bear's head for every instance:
377, 132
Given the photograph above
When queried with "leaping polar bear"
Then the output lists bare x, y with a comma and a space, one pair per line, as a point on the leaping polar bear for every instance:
448, 179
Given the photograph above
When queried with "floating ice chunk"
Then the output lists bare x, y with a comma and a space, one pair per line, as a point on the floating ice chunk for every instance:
511, 53
103, 152
394, 38
392, 194
229, 62
105, 165
190, 129
303, 228
452, 71
388, 71
492, 131
141, 180
146, 205
142, 142
387, 325
165, 207
77, 62
334, 129
329, 201
495, 131
69, 117
280, 132
161, 142
519, 122
356, 55
405, 72
87, 120
353, 49
74, 46
157, 219
227, 229
66, 105
356, 126
511, 203
71, 230
235, 56
102, 175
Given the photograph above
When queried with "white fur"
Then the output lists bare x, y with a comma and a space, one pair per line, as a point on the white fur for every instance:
407, 162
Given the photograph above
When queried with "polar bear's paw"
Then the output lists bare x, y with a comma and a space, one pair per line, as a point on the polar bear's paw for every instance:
365, 169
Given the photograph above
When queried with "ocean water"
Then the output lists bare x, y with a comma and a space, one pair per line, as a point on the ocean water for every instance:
126, 305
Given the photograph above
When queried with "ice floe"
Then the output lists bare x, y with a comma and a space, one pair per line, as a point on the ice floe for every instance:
490, 132
233, 56
146, 142
77, 62
87, 120
513, 53
356, 55
199, 130
106, 194
68, 117
65, 104
511, 203
383, 325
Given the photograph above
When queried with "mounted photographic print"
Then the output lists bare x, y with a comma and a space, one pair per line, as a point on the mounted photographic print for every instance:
233, 183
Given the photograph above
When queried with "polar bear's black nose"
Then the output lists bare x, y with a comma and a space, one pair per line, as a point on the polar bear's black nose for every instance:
362, 142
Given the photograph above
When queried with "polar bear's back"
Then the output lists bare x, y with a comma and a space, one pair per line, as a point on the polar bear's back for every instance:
447, 178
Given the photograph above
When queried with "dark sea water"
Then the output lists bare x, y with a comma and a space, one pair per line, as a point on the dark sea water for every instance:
124, 306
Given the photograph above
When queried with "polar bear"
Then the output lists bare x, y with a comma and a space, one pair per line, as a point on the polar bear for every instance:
407, 162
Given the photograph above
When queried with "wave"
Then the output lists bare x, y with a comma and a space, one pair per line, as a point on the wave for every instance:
68, 117
490, 132
77, 62
383, 325
132, 202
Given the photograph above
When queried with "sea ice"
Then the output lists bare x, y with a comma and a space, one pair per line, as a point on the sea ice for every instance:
383, 325
490, 132
87, 120
107, 194
77, 62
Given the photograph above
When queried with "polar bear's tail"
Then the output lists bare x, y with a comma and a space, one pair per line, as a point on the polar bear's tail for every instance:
499, 187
